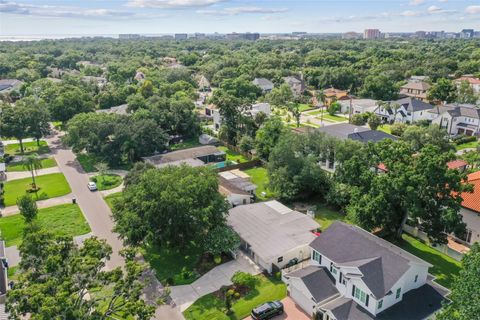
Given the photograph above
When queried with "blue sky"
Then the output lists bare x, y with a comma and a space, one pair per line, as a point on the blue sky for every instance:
50, 17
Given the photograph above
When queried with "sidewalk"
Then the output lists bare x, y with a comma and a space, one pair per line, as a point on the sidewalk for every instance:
111, 191
15, 175
8, 211
7, 142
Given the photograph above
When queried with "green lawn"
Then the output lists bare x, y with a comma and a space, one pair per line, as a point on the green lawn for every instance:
325, 215
107, 181
259, 176
51, 186
209, 307
88, 162
18, 166
444, 268
169, 263
188, 143
65, 219
304, 107
471, 144
385, 128
28, 147
233, 155
11, 273
111, 198
334, 118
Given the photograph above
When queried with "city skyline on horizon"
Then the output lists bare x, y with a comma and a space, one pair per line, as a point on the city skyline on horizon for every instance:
93, 17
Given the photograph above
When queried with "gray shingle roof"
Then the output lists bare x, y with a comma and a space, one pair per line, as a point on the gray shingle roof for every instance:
263, 83
312, 276
347, 309
183, 155
457, 110
353, 132
381, 263
414, 105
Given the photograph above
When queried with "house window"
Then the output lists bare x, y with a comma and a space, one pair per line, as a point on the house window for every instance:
280, 259
332, 268
360, 295
380, 304
397, 295
316, 256
416, 278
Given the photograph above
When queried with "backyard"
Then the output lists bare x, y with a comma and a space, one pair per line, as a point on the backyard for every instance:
467, 145
259, 177
211, 307
18, 166
28, 147
107, 181
233, 155
50, 186
325, 215
66, 219
185, 144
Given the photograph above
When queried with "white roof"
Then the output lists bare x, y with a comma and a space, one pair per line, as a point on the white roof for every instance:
271, 229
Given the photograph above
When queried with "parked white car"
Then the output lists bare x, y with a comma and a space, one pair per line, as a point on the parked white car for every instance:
92, 186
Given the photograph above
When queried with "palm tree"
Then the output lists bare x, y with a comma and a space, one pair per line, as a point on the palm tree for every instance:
32, 163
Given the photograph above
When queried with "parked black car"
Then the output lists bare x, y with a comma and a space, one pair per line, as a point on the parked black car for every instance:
267, 310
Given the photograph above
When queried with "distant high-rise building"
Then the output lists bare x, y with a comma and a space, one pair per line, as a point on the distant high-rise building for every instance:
200, 35
128, 36
371, 34
467, 34
420, 34
181, 36
351, 35
252, 36
243, 36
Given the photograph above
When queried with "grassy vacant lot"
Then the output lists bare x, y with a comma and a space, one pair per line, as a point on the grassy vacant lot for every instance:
169, 264
325, 215
51, 186
259, 177
472, 144
18, 166
385, 128
210, 307
233, 155
444, 267
107, 181
65, 219
187, 143
28, 147
111, 198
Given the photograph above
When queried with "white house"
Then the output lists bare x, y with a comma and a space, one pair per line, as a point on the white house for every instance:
252, 110
272, 234
406, 110
457, 118
356, 275
358, 106
236, 186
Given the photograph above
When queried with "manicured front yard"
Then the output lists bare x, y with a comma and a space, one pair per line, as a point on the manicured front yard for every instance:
107, 181
330, 118
18, 166
28, 147
259, 176
51, 186
385, 128
233, 155
471, 144
65, 219
444, 268
304, 107
110, 199
176, 265
210, 307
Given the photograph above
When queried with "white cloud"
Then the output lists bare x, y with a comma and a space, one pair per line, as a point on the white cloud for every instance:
409, 13
172, 4
416, 2
472, 9
434, 9
59, 11
443, 1
243, 10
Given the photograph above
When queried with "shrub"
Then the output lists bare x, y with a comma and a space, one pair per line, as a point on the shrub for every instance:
278, 275
358, 120
170, 281
398, 129
217, 259
461, 139
244, 279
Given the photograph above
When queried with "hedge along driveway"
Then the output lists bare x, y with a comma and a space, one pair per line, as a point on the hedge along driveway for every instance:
51, 186
65, 219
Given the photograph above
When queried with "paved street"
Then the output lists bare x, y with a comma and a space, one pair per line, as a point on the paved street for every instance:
93, 206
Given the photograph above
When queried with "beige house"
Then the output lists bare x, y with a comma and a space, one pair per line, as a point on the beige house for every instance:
416, 89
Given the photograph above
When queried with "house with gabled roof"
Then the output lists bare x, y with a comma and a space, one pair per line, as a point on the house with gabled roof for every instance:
354, 274
405, 110
264, 84
457, 118
415, 89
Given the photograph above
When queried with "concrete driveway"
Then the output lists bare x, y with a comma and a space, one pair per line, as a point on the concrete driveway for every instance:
184, 296
291, 311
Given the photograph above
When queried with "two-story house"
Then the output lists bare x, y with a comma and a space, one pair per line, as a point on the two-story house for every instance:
297, 85
415, 89
473, 81
405, 110
457, 118
354, 274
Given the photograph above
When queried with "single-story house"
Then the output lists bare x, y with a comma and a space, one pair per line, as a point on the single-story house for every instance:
355, 275
195, 157
358, 106
9, 85
332, 95
272, 234
236, 186
264, 84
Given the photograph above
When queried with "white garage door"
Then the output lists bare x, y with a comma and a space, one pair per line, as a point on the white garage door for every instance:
302, 300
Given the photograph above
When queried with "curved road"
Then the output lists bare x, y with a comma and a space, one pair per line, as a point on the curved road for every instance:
94, 208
